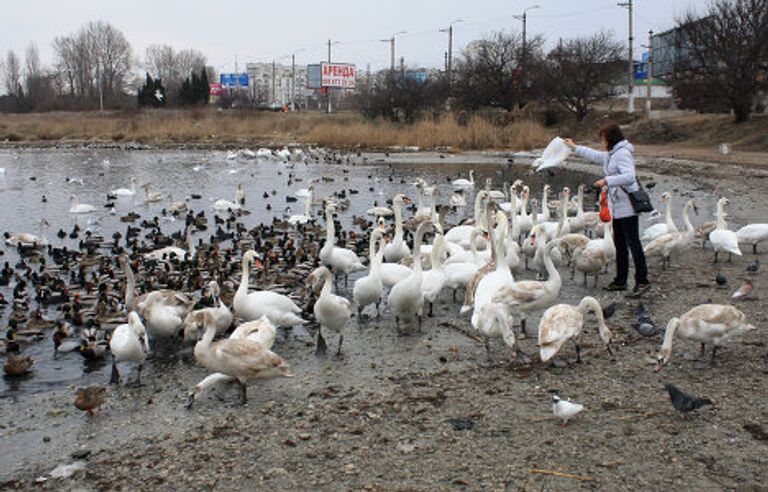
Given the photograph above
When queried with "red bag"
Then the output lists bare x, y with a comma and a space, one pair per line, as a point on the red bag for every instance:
605, 213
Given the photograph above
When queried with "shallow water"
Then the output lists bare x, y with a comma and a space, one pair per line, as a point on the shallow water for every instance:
32, 174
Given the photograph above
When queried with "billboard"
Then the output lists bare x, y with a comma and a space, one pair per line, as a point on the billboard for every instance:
233, 79
214, 89
340, 75
314, 77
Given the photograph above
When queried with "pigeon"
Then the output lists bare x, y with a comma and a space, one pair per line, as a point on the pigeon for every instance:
744, 291
720, 279
644, 325
609, 310
685, 403
754, 266
565, 410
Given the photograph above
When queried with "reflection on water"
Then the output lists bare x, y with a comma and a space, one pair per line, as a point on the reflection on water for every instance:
39, 183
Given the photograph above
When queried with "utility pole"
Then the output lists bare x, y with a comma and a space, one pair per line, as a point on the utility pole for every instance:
391, 42
631, 69
101, 91
449, 55
524, 18
649, 74
293, 82
402, 67
328, 89
274, 98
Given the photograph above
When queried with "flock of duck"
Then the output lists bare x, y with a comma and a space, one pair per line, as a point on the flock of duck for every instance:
145, 291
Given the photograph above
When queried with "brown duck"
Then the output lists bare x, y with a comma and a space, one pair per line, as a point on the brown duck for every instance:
90, 398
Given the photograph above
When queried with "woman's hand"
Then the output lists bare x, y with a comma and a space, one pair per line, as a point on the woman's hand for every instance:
569, 143
599, 184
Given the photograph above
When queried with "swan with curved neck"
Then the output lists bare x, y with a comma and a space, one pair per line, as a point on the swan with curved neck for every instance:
460, 234
672, 242
397, 249
406, 298
707, 324
343, 261
721, 238
668, 226
129, 343
563, 322
278, 308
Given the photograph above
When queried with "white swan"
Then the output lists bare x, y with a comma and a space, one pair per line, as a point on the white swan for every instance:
163, 320
332, 312
544, 216
458, 200
657, 230
397, 249
125, 192
302, 219
242, 359
341, 260
222, 205
76, 207
29, 240
129, 343
525, 221
530, 295
673, 242
368, 289
406, 298
563, 322
176, 206
460, 234
151, 196
458, 274
753, 234
260, 331
220, 315
280, 309
464, 184
708, 324
721, 238
433, 280
500, 277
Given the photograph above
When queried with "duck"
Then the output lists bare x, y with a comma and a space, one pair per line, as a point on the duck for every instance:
341, 260
261, 331
129, 343
672, 242
529, 295
27, 240
61, 346
221, 316
279, 308
563, 322
465, 184
668, 226
723, 239
168, 252
17, 365
368, 290
406, 297
752, 234
151, 196
332, 312
239, 358
397, 249
76, 207
710, 324
125, 192
90, 398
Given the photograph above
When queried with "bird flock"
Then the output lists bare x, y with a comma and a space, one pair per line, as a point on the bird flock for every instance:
149, 291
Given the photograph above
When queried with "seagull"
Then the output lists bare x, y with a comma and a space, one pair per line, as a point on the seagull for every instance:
685, 403
565, 410
744, 291
720, 279
754, 266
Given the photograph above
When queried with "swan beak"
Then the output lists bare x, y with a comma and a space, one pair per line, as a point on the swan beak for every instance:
659, 364
695, 209
407, 200
258, 264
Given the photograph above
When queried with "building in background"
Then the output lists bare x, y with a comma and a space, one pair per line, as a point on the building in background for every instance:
272, 85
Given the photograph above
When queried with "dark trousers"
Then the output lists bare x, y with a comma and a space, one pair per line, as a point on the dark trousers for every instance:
626, 238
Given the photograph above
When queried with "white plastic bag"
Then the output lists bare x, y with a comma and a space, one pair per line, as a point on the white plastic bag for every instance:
555, 153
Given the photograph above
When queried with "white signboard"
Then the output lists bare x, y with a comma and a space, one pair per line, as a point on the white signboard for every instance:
338, 75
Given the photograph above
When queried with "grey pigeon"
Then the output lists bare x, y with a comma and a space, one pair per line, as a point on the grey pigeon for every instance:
644, 325
682, 402
609, 310
720, 279
754, 266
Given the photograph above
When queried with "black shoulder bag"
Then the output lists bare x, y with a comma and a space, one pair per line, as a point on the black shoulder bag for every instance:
641, 201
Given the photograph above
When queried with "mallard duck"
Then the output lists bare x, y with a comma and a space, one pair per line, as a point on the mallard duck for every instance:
90, 398
16, 365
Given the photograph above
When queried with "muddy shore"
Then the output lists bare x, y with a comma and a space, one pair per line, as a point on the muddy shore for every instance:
430, 411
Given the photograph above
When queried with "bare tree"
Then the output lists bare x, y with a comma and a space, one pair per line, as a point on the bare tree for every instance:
12, 74
490, 72
724, 54
581, 71
172, 67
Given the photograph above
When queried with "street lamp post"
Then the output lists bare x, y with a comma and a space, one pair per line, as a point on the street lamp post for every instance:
631, 70
449, 56
391, 42
524, 17
328, 89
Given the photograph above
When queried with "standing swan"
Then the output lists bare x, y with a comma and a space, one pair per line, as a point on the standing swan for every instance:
562, 322
753, 234
129, 343
278, 308
672, 242
406, 298
331, 311
341, 260
367, 290
397, 249
721, 238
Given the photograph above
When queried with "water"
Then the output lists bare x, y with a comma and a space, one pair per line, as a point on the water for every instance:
32, 174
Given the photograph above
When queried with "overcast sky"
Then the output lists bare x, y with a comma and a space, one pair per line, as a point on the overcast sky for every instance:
263, 31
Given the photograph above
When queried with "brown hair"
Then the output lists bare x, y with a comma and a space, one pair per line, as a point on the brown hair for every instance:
612, 134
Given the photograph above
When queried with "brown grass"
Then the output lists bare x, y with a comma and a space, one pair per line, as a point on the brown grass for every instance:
344, 130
